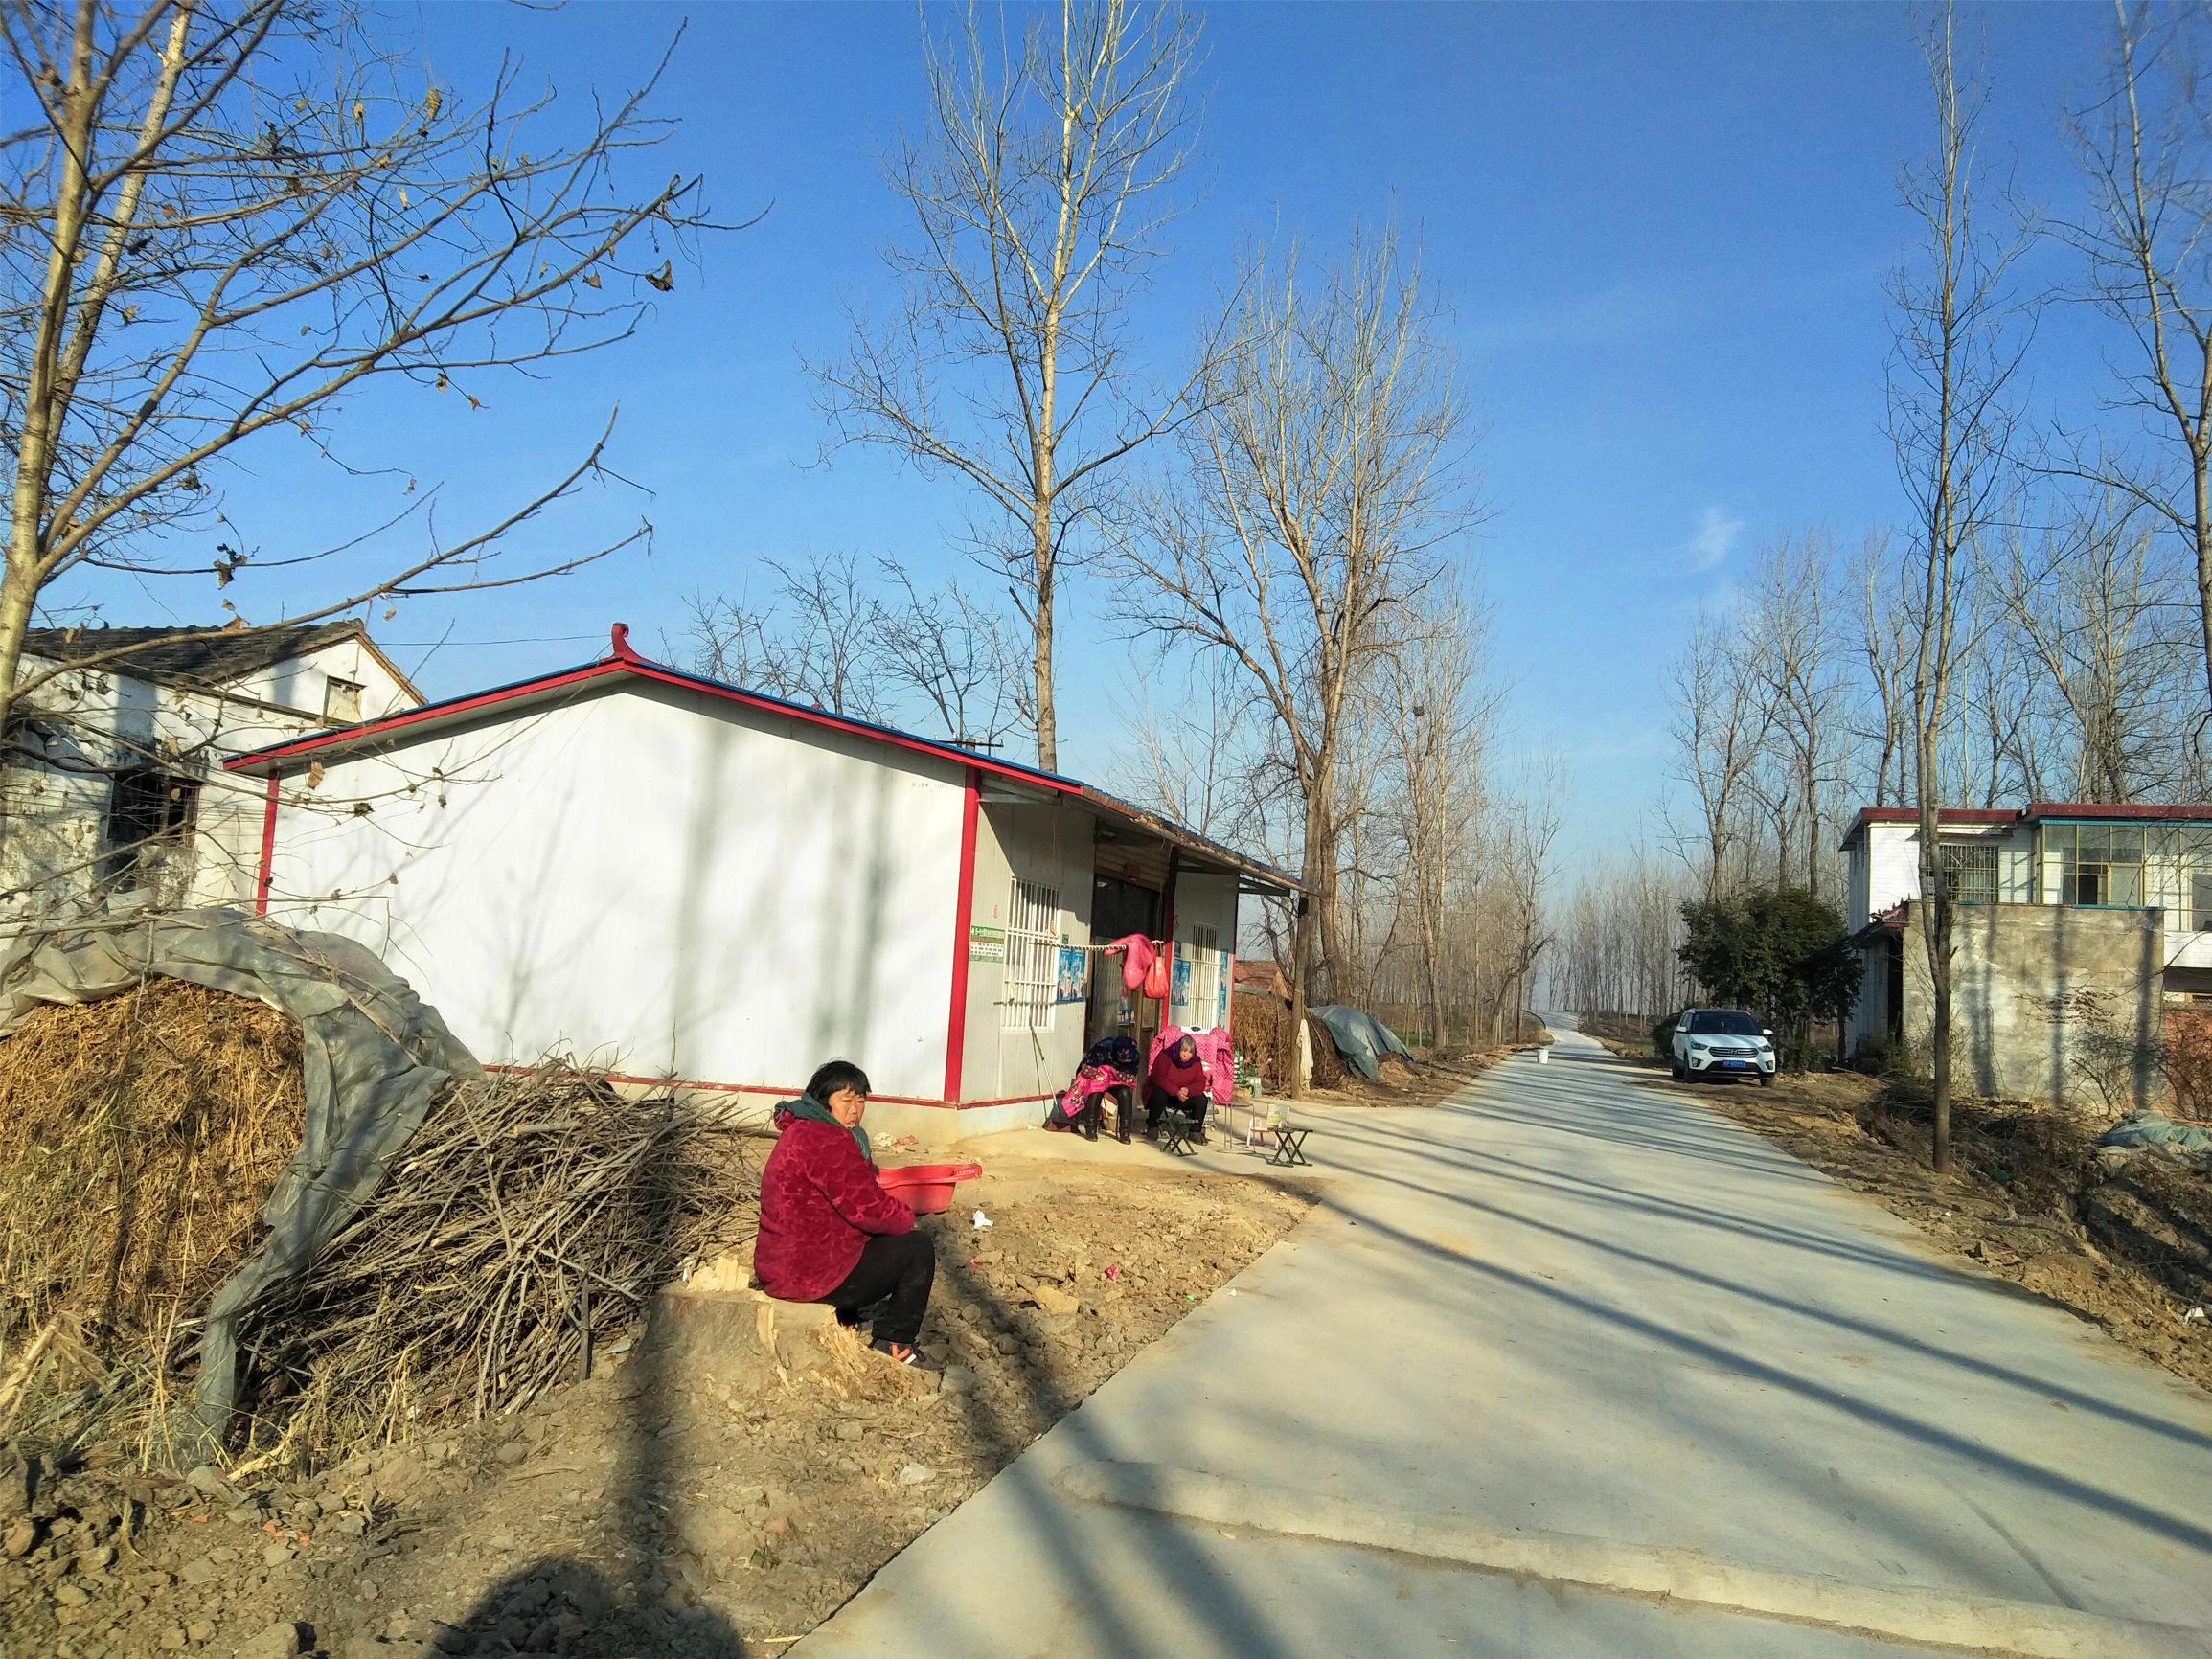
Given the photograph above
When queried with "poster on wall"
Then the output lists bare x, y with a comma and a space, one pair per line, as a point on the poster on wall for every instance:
1222, 992
1072, 982
986, 943
1181, 995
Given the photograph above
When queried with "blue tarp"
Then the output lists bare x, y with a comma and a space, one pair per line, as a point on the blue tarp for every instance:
2155, 1129
1359, 1038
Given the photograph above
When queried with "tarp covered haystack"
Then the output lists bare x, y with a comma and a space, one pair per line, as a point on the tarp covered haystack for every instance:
372, 1058
1361, 1038
138, 1138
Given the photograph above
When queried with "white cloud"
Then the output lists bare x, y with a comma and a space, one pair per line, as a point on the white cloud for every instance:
1716, 535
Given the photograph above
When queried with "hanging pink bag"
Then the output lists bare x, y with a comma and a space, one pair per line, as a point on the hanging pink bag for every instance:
1156, 979
1136, 960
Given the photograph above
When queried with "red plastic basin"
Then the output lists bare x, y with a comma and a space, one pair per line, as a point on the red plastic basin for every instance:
927, 1188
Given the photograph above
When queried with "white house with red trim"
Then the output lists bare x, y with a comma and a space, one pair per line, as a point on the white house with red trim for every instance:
683, 881
2077, 926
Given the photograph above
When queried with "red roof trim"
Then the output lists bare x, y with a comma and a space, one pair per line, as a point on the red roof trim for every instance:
2100, 810
274, 758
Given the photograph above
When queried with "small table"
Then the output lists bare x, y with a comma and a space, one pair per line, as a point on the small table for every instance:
1290, 1146
1176, 1132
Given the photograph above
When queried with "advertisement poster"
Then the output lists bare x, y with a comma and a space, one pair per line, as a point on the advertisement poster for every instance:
1072, 982
986, 943
1182, 985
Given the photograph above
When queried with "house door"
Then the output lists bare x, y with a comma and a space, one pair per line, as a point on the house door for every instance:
1119, 908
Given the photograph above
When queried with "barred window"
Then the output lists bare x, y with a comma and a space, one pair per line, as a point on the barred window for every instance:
1970, 872
1032, 955
1203, 952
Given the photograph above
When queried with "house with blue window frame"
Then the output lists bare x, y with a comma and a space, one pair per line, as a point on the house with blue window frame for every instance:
2078, 928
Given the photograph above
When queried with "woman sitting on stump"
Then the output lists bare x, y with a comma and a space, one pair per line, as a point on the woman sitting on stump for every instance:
829, 1232
1179, 1080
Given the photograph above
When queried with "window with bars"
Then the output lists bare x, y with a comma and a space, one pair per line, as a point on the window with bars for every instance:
1196, 1006
1032, 955
1970, 872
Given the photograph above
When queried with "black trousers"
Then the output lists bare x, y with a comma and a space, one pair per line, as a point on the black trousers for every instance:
900, 1265
1158, 1100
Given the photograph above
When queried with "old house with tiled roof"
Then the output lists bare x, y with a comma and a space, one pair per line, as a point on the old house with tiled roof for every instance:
111, 780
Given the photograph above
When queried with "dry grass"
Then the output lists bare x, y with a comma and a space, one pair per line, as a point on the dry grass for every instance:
139, 1137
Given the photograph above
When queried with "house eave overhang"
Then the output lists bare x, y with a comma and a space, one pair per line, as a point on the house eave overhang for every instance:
1199, 854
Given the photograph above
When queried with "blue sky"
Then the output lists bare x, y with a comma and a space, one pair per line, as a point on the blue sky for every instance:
1661, 231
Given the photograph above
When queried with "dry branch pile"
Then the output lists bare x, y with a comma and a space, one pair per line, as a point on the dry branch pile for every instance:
1260, 1031
533, 1213
138, 1139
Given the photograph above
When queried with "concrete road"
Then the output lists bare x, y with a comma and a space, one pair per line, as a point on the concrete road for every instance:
1573, 1366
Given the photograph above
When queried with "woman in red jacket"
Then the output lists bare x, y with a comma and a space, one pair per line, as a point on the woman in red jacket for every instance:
1179, 1080
828, 1233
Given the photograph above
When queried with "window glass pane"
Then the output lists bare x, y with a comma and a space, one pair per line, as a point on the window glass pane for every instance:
2124, 884
2201, 901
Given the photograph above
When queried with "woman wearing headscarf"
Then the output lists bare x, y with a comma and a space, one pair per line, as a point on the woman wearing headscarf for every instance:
1179, 1080
829, 1231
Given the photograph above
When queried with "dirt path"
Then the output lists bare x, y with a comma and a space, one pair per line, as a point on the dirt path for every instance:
688, 1499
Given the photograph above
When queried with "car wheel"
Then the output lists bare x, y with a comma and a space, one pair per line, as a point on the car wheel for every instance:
1766, 1080
1675, 1070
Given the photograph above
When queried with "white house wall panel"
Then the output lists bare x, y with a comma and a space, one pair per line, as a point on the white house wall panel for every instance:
723, 894
1048, 845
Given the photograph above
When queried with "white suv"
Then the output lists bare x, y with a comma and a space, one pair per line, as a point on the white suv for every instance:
1719, 1043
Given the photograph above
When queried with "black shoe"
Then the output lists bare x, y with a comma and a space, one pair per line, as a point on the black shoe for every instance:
899, 1354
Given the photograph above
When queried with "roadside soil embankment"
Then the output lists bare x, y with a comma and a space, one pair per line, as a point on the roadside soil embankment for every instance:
2124, 1241
696, 1495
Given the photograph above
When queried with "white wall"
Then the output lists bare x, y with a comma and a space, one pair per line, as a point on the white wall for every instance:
1893, 865
652, 880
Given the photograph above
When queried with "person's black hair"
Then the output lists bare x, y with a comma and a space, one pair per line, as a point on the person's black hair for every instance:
837, 1075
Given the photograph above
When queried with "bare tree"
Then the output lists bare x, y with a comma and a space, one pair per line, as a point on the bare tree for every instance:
1719, 724
1884, 629
1521, 836
219, 218
2144, 145
2090, 609
1041, 196
1952, 366
1793, 652
1320, 482
874, 644
1195, 766
1440, 718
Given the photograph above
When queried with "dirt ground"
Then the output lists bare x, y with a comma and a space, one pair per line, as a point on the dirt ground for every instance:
2122, 1240
694, 1496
